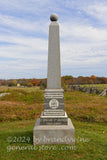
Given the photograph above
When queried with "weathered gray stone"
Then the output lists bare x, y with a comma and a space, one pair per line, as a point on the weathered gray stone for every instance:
54, 112
77, 87
54, 17
56, 96
84, 89
88, 90
53, 95
3, 94
93, 90
54, 73
54, 134
53, 119
103, 93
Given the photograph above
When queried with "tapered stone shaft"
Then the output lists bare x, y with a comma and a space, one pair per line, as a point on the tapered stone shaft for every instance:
54, 71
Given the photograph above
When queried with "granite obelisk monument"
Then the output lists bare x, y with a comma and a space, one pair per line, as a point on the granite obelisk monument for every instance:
54, 127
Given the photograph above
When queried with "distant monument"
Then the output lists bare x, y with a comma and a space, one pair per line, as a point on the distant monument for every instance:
54, 127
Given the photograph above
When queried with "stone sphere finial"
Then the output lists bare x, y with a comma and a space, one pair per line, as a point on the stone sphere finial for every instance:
54, 17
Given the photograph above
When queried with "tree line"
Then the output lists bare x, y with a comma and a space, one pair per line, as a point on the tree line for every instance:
66, 80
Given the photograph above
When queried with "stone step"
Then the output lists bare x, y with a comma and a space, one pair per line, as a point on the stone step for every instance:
56, 112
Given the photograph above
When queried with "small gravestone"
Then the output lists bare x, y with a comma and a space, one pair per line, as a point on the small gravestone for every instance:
54, 126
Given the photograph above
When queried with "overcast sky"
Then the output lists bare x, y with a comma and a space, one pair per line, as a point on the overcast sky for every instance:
24, 26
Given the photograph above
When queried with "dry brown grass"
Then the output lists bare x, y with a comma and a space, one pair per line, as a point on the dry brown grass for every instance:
85, 107
28, 106
10, 111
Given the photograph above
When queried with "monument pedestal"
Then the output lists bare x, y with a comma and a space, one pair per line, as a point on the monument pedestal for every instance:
54, 112
53, 134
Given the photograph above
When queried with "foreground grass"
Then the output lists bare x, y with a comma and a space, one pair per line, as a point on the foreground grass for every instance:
90, 143
18, 114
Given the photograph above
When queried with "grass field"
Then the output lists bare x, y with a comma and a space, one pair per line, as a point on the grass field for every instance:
18, 114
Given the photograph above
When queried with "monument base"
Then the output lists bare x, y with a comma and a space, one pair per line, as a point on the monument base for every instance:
54, 134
